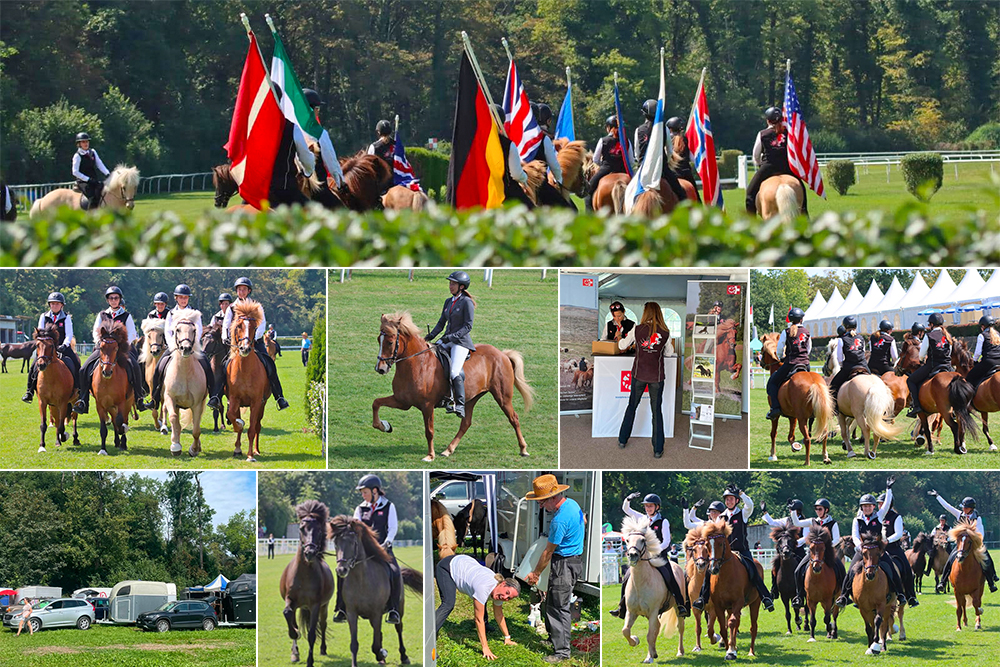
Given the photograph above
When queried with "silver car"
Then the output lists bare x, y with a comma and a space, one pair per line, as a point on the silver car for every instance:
64, 613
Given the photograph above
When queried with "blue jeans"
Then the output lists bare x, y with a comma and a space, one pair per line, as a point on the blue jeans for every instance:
655, 404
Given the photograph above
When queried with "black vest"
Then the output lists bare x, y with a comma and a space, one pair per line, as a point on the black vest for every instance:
881, 349
612, 155
283, 174
774, 148
869, 526
738, 538
385, 150
649, 349
938, 349
657, 527
887, 524
643, 132
828, 522
377, 520
88, 165
156, 315
797, 348
107, 320
854, 350
508, 180
60, 325
991, 352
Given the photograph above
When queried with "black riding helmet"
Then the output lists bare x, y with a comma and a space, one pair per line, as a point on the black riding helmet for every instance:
943, 517
936, 319
868, 499
850, 322
841, 330
460, 277
917, 328
369, 482
182, 290
649, 109
796, 505
82, 136
729, 492
56, 297
717, 506
795, 315
675, 125
772, 114
114, 289
243, 281
161, 297
885, 325
986, 321
822, 502
383, 128
543, 114
612, 121
312, 97
225, 296
968, 502
651, 498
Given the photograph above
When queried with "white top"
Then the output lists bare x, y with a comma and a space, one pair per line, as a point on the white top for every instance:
129, 325
757, 150
306, 158
475, 580
168, 327
664, 528
97, 161
392, 528
747, 508
783, 338
228, 321
514, 164
9, 198
893, 352
840, 350
69, 324
897, 530
925, 345
690, 519
629, 340
781, 522
549, 155
957, 513
886, 504
807, 524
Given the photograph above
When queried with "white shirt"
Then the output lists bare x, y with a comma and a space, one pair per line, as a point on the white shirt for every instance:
807, 524
782, 522
306, 158
782, 339
228, 322
886, 504
979, 347
747, 508
475, 580
168, 328
893, 352
690, 519
840, 350
514, 167
664, 528
97, 162
9, 198
629, 340
925, 345
393, 524
549, 154
69, 324
897, 530
757, 150
129, 325
957, 513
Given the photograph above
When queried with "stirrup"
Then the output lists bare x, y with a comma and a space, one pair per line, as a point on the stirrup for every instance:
340, 616
698, 604
28, 396
393, 617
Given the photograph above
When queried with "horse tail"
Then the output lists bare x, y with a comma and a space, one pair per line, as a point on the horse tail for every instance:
822, 408
36, 209
187, 418
618, 197
960, 395
648, 204
520, 383
788, 203
413, 580
418, 201
879, 404
668, 623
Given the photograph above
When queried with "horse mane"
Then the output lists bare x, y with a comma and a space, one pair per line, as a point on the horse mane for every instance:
153, 323
446, 536
249, 309
403, 322
693, 535
653, 545
342, 524
786, 529
570, 154
120, 335
535, 171
870, 539
941, 540
769, 344
718, 527
191, 316
968, 529
312, 509
124, 176
221, 174
919, 542
961, 350
49, 331
361, 179
823, 535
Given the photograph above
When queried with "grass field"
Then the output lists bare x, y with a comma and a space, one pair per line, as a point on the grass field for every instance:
900, 453
272, 636
519, 312
124, 646
930, 630
284, 441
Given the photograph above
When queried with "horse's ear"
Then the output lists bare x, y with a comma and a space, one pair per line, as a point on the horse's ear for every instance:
329, 529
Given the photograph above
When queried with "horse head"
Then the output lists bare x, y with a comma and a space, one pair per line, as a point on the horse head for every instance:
113, 341
921, 543
832, 366
355, 543
123, 184
909, 356
872, 547
312, 516
967, 540
641, 542
211, 339
961, 358
786, 539
45, 346
769, 352
185, 330
716, 537
242, 332
225, 185
154, 339
395, 332
820, 543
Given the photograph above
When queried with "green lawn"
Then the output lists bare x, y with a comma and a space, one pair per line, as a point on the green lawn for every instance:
285, 441
901, 453
930, 632
519, 312
275, 647
124, 646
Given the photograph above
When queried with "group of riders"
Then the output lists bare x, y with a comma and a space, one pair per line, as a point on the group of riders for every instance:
116, 312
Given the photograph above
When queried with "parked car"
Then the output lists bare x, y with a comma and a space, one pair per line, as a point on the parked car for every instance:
179, 614
455, 494
102, 606
64, 613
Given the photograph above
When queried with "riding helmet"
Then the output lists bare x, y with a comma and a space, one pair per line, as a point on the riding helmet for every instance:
369, 482
822, 502
850, 322
383, 128
881, 499
885, 325
651, 498
917, 328
225, 296
868, 499
312, 97
243, 281
649, 109
795, 315
182, 290
161, 297
772, 114
716, 506
675, 125
460, 277
986, 321
841, 330
544, 114
82, 136
943, 517
56, 297
612, 121
969, 502
936, 319
729, 492
796, 505
114, 289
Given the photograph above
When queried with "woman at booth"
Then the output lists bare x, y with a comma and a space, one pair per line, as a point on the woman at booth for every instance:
651, 339
619, 326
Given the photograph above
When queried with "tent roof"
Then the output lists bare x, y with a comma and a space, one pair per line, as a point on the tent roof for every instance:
968, 287
816, 307
656, 284
871, 301
851, 302
831, 306
941, 293
893, 296
914, 296
990, 291
218, 584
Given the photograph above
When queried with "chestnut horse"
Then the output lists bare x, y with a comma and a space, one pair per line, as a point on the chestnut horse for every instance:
154, 342
696, 569
804, 397
949, 395
967, 576
731, 589
821, 582
571, 156
987, 400
365, 176
215, 350
112, 393
56, 388
420, 380
785, 538
246, 378
610, 193
780, 195
443, 530
871, 590
307, 583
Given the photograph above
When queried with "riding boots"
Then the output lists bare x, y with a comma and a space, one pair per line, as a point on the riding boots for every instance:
458, 395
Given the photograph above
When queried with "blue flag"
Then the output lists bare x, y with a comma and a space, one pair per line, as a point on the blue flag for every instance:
564, 126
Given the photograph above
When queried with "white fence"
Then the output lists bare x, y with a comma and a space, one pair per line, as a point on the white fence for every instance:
290, 546
162, 184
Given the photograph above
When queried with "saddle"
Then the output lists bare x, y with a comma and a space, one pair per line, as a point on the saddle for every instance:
443, 353
860, 370
84, 202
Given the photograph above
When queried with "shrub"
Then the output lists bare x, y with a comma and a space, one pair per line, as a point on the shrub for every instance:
729, 164
826, 141
840, 175
316, 377
985, 136
47, 136
431, 167
923, 174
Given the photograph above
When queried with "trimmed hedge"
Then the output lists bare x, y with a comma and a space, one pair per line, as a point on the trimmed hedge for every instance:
431, 167
729, 164
840, 175
316, 368
923, 174
985, 136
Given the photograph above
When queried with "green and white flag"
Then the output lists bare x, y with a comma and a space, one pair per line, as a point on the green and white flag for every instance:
296, 109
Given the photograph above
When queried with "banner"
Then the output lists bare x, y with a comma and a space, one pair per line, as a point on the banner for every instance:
579, 326
727, 299
612, 385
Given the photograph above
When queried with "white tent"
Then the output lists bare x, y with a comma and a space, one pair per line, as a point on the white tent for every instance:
817, 305
965, 293
820, 322
851, 303
865, 311
936, 297
915, 295
892, 297
218, 584
990, 292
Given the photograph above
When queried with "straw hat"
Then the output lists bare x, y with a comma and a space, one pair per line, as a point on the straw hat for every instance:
544, 487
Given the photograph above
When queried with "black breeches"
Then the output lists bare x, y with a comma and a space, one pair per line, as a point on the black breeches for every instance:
272, 371
550, 196
903, 566
917, 378
776, 380
305, 357
879, 368
980, 372
675, 185
884, 563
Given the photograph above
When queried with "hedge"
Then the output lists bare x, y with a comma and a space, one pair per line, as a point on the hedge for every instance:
840, 175
923, 174
430, 167
729, 164
986, 136
316, 370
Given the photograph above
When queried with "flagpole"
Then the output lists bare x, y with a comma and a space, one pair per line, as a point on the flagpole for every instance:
260, 54
568, 82
270, 23
701, 82
506, 48
482, 81
395, 132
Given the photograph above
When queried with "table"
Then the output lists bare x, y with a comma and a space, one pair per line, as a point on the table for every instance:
612, 378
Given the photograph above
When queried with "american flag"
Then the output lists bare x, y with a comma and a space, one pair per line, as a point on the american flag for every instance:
402, 172
519, 122
702, 147
801, 157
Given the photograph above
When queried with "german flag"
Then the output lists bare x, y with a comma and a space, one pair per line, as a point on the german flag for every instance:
475, 171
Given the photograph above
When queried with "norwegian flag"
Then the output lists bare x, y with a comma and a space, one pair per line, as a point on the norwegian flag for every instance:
702, 147
402, 172
519, 123
801, 157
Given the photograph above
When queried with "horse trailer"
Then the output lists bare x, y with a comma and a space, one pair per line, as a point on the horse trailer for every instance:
39, 593
130, 598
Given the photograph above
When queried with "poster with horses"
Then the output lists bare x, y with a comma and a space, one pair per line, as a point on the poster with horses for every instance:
726, 300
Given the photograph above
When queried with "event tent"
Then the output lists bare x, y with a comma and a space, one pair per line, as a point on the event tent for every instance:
218, 584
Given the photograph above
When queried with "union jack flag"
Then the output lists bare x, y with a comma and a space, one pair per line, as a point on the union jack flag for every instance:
402, 172
519, 122
702, 147
801, 157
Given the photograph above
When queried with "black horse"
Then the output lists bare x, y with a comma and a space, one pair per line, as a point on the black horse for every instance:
21, 351
216, 351
786, 539
472, 518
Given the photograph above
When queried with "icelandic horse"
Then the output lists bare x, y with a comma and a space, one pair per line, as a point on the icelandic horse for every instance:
56, 388
246, 377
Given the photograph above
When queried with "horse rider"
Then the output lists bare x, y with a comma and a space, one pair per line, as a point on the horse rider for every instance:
794, 506
378, 513
641, 143
513, 173
159, 311
987, 351
272, 335
905, 542
548, 195
850, 353
681, 150
869, 522
942, 526
182, 297
324, 172
115, 312
87, 170
737, 519
967, 513
243, 287
822, 520
61, 320
284, 184
457, 314
935, 350
660, 526
892, 528
918, 330
794, 346
384, 145
543, 116
690, 518
609, 156
884, 353
225, 299
770, 156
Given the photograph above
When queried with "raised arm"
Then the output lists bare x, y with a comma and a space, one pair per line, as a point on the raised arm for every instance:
627, 506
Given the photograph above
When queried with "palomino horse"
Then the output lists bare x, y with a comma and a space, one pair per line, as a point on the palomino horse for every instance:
646, 592
987, 400
363, 570
872, 594
821, 583
786, 539
154, 342
782, 196
22, 351
246, 378
112, 394
185, 386
949, 395
730, 585
696, 569
938, 558
867, 400
421, 381
402, 198
443, 529
967, 576
804, 397
119, 192
916, 556
307, 583
56, 389
213, 347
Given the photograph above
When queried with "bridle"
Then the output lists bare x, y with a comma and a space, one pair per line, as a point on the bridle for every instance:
114, 359
817, 561
639, 557
394, 357
712, 559
962, 553
244, 318
191, 340
350, 563
45, 358
871, 568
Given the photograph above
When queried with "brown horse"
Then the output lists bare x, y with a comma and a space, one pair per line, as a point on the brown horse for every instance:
443, 530
363, 570
967, 576
402, 198
780, 195
571, 156
821, 583
246, 378
365, 176
421, 381
272, 346
938, 558
696, 570
22, 351
215, 350
471, 520
654, 203
225, 185
844, 548
916, 556
730, 585
785, 538
307, 583
949, 395
987, 400
804, 397
56, 389
112, 393
610, 193
872, 594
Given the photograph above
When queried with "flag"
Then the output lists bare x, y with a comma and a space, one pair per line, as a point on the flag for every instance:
801, 157
296, 108
702, 147
755, 336
519, 122
476, 167
622, 136
770, 318
402, 172
255, 131
564, 126
651, 170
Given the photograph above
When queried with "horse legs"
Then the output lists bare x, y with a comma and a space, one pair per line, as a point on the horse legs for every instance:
697, 631
986, 431
175, 425
233, 413
651, 632
253, 435
122, 427
102, 417
388, 402
196, 413
76, 433
403, 658
379, 652
835, 613
754, 613
977, 606
902, 628
811, 615
925, 431
788, 615
960, 610
630, 619
44, 424
293, 630
466, 423
957, 433
352, 622
807, 439
845, 435
428, 411
774, 433
313, 622
733, 626
507, 405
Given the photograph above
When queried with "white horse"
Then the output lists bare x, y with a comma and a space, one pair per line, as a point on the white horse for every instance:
646, 592
154, 342
185, 386
119, 192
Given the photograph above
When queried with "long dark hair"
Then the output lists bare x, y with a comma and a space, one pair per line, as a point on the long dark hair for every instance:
463, 290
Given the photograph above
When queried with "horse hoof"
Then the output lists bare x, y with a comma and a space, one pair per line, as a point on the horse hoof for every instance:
175, 448
386, 426
928, 453
446, 453
192, 453
851, 454
869, 652
871, 456
251, 459
427, 459
647, 661
633, 641
961, 450
525, 454
810, 640
124, 428
41, 450
772, 459
62, 438
993, 448
239, 423
164, 430
680, 654
796, 446
730, 655
696, 649
103, 452
827, 461
920, 441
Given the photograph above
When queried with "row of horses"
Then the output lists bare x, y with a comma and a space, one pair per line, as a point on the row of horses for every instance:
185, 387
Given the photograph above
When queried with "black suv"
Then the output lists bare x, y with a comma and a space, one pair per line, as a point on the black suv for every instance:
179, 614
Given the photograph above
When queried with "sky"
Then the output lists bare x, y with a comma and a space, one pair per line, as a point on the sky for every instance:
226, 491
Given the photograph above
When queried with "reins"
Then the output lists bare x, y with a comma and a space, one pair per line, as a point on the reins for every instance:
394, 358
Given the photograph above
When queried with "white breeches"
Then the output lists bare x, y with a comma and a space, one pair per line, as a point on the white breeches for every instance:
458, 357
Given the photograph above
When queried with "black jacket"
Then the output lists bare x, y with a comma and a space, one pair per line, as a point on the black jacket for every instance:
457, 315
627, 325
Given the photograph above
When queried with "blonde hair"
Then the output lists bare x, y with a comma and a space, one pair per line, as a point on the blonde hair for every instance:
793, 329
947, 336
994, 336
652, 316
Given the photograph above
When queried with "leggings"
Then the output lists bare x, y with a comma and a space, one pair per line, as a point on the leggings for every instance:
447, 588
843, 376
775, 381
458, 356
917, 378
980, 372
895, 551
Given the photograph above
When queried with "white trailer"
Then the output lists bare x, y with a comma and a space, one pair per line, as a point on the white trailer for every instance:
39, 593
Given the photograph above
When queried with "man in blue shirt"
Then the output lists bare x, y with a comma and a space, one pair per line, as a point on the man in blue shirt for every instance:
566, 532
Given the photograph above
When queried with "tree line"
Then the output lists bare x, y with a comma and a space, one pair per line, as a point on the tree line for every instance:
155, 83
